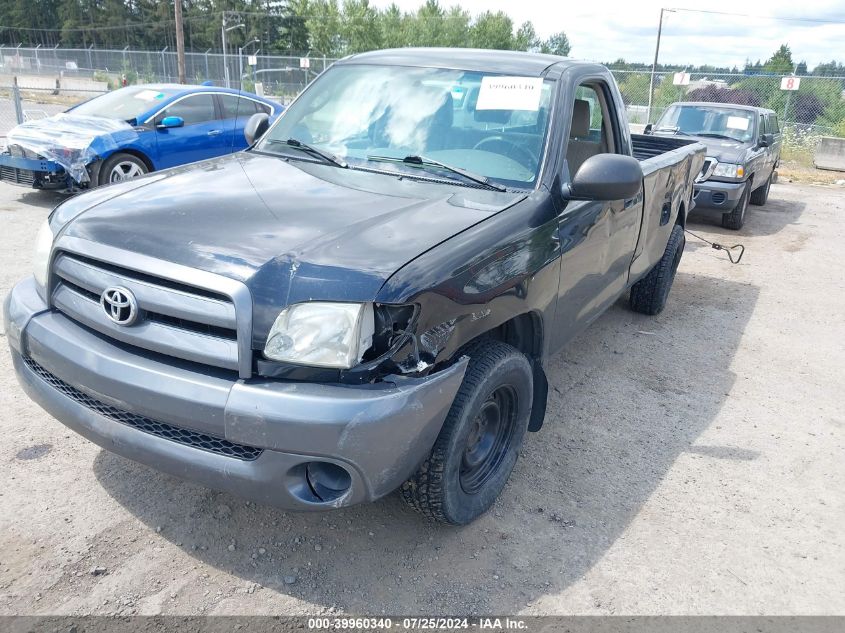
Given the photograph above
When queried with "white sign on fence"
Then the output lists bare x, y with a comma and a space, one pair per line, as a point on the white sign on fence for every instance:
304, 62
790, 83
681, 79
252, 60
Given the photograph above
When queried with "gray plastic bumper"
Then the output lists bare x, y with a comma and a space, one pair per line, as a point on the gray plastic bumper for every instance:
378, 434
714, 196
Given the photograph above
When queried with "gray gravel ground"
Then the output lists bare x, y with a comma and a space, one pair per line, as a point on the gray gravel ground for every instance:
690, 463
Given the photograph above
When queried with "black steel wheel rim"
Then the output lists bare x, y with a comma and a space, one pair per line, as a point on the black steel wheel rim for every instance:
489, 439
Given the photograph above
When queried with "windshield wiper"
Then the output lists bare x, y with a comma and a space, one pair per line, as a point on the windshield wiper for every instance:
326, 156
714, 135
667, 128
423, 161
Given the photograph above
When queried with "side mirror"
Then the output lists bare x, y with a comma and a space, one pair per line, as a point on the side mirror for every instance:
767, 140
171, 121
607, 177
256, 126
648, 128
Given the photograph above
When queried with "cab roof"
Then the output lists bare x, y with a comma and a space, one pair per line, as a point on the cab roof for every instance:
473, 59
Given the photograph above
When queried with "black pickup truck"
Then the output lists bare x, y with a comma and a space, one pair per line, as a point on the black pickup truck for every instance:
366, 298
743, 151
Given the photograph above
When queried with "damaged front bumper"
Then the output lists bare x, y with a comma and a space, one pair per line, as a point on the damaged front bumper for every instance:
301, 446
37, 173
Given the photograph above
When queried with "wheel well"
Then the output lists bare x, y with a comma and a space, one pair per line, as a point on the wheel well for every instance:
682, 216
136, 154
525, 333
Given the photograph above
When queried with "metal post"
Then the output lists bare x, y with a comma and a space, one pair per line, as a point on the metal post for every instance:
240, 67
37, 61
207, 77
163, 66
16, 99
654, 65
90, 63
789, 95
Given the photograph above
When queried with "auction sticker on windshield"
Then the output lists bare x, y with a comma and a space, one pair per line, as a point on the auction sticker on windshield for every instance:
737, 123
510, 93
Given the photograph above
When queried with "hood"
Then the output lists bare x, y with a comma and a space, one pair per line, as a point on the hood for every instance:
722, 150
290, 230
71, 140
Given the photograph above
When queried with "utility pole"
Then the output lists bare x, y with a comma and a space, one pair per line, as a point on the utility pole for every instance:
180, 42
225, 62
654, 65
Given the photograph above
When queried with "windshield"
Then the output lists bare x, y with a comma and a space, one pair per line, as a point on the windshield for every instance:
489, 125
707, 120
125, 104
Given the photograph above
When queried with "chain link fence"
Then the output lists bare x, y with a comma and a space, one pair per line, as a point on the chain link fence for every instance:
51, 79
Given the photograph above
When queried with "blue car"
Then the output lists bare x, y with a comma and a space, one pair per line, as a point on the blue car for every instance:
128, 133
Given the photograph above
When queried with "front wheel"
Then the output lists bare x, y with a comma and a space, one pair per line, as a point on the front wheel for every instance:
761, 194
736, 218
119, 167
478, 445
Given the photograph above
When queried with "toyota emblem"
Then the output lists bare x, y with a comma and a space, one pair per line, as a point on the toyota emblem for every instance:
120, 305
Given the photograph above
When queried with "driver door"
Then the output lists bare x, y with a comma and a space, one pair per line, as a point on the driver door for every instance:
202, 135
597, 238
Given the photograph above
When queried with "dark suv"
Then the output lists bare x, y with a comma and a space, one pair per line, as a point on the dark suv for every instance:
743, 150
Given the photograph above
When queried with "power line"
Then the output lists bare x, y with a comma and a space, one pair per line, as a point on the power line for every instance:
765, 17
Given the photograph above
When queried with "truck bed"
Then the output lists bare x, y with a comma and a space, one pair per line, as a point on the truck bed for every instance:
646, 146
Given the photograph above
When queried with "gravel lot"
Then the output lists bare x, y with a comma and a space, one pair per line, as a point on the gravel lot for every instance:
690, 463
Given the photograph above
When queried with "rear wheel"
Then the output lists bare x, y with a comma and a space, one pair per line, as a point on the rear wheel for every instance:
760, 195
119, 167
736, 218
649, 294
478, 445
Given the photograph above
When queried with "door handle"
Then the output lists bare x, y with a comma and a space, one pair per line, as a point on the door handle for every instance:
215, 132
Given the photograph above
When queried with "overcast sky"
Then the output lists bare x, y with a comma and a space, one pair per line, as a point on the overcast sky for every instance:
604, 30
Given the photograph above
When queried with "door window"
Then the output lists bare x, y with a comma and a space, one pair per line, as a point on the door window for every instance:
773, 124
194, 109
589, 132
236, 107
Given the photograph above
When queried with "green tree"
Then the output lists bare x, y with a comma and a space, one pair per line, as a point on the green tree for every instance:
425, 28
392, 23
526, 38
359, 27
456, 28
323, 26
557, 44
492, 30
781, 62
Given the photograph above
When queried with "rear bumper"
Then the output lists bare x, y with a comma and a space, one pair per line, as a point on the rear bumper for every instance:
184, 420
721, 197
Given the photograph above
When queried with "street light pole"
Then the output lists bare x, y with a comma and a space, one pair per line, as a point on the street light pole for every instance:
223, 31
654, 65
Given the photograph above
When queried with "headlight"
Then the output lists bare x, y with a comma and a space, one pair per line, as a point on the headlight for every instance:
322, 334
41, 258
729, 170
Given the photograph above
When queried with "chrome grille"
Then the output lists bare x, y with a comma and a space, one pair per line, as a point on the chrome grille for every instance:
164, 430
186, 322
706, 169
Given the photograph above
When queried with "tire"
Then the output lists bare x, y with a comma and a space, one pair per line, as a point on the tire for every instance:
761, 194
478, 445
736, 218
126, 164
649, 294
